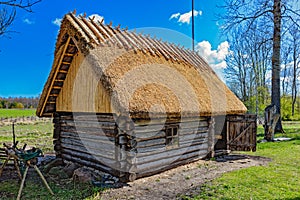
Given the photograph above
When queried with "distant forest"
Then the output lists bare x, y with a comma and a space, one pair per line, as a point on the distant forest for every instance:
19, 102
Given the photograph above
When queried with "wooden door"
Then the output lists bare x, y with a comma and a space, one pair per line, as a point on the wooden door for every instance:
241, 132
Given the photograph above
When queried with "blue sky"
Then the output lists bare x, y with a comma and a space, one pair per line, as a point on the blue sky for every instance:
26, 56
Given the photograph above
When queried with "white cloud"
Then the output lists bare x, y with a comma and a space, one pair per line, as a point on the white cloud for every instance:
185, 17
216, 58
57, 21
176, 15
96, 17
28, 21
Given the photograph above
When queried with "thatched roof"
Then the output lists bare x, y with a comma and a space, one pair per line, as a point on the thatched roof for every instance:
140, 73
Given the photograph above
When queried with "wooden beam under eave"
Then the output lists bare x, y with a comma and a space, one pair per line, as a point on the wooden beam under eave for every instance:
63, 71
56, 72
56, 87
65, 63
69, 54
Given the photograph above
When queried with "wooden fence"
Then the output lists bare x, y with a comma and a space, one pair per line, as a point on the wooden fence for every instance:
25, 119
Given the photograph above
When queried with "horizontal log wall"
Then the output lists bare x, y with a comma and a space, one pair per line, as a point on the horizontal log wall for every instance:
153, 156
86, 139
129, 149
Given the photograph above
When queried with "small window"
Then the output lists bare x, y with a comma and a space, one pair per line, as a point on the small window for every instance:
172, 139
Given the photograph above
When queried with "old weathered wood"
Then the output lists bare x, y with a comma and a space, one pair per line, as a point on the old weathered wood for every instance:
88, 157
168, 154
271, 118
107, 153
168, 161
241, 132
211, 137
164, 168
95, 165
88, 137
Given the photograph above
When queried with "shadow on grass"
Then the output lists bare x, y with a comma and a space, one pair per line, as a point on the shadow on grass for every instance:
233, 157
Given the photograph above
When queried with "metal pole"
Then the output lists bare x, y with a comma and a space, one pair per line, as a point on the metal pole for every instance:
193, 26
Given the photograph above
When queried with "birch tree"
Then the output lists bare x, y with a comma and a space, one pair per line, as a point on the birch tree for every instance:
267, 13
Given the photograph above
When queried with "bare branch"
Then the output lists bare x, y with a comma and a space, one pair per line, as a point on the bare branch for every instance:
9, 10
19, 4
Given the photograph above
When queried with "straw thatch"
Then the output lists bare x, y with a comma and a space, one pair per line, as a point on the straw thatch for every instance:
140, 74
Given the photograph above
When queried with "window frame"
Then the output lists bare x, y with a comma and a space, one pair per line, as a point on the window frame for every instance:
172, 135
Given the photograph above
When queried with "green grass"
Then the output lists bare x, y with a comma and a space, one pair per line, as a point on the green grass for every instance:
35, 189
38, 134
14, 113
280, 179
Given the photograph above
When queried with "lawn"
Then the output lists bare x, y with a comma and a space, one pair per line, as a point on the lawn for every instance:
279, 180
38, 134
14, 113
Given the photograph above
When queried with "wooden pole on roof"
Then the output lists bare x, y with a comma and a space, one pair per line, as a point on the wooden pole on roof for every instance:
193, 26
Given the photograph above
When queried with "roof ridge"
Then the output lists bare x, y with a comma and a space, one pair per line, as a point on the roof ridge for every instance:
98, 33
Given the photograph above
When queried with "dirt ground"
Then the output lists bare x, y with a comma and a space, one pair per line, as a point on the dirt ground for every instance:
183, 180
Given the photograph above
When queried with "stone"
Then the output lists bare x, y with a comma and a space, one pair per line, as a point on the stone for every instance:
54, 163
58, 172
70, 168
83, 175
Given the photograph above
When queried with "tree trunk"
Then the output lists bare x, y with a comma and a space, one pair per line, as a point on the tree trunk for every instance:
294, 86
276, 61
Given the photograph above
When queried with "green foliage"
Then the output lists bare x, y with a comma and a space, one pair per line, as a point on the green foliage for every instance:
286, 109
19, 106
3, 103
261, 101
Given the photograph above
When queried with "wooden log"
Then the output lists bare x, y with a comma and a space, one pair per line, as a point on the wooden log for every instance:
91, 131
211, 136
86, 116
193, 136
159, 164
167, 167
150, 135
94, 165
193, 142
88, 157
148, 129
88, 124
193, 131
96, 150
168, 154
88, 137
149, 143
88, 142
156, 148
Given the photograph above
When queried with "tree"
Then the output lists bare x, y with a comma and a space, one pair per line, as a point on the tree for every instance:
295, 44
266, 14
8, 11
247, 67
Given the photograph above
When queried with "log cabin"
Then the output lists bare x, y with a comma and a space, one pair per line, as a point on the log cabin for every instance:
132, 105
